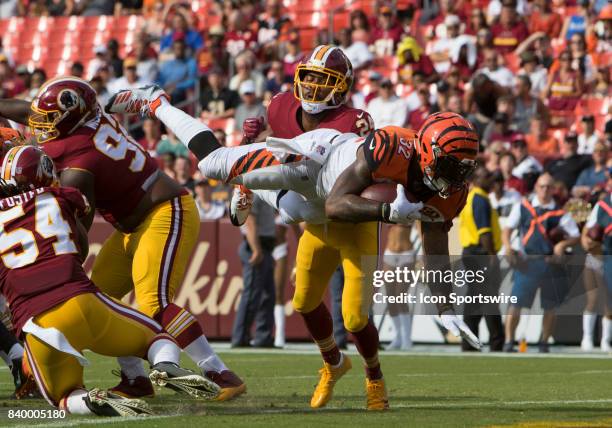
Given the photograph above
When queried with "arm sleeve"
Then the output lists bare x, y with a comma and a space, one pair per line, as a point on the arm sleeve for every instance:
75, 199
481, 209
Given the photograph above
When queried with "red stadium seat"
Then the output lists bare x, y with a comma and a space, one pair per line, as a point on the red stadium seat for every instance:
308, 38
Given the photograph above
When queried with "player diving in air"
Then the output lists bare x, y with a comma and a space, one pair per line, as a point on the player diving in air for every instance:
57, 310
156, 221
332, 169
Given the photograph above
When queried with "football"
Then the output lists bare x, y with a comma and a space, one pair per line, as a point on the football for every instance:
596, 233
556, 235
384, 192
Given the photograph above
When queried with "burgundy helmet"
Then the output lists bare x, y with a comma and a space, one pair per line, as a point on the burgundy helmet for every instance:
332, 85
61, 107
28, 167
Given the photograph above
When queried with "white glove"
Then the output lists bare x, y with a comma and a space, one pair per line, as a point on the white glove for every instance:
402, 210
458, 328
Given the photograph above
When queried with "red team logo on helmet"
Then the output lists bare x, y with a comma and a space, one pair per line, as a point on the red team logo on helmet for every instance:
324, 80
447, 147
61, 107
28, 167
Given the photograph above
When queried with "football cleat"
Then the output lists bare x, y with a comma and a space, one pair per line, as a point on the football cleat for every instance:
184, 381
587, 344
329, 376
231, 385
240, 205
105, 403
143, 101
376, 393
25, 384
140, 387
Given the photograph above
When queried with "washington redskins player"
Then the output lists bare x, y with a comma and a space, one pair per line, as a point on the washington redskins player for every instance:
55, 307
156, 219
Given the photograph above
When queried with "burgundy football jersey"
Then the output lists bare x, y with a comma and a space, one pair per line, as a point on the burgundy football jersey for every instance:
122, 169
283, 118
40, 265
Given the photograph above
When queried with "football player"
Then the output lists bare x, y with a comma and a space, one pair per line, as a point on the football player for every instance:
56, 309
156, 219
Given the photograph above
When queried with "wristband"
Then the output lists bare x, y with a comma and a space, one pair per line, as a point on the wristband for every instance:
385, 211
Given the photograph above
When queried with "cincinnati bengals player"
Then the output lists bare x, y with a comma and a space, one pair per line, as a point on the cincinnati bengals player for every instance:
55, 307
156, 220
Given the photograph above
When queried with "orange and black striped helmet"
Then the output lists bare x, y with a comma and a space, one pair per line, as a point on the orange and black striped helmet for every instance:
447, 146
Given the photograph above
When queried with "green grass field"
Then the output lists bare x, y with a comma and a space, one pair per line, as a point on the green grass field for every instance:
425, 391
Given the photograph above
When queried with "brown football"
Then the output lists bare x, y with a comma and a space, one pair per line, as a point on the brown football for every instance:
596, 233
384, 192
556, 235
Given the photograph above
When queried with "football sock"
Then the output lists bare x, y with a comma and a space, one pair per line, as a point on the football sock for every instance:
406, 322
16, 351
397, 327
366, 341
319, 324
7, 340
606, 326
279, 322
163, 350
74, 403
6, 359
194, 134
132, 367
588, 324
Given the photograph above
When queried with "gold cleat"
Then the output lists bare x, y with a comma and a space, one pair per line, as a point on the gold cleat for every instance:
329, 377
377, 394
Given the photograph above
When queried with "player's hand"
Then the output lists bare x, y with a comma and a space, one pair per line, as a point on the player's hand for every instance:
256, 258
402, 210
252, 127
457, 327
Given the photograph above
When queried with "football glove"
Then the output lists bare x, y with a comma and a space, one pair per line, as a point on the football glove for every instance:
252, 127
403, 211
457, 327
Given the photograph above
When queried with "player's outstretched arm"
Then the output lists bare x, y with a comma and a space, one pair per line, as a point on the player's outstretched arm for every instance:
15, 110
84, 181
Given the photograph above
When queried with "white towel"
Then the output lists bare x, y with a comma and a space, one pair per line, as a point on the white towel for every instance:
55, 338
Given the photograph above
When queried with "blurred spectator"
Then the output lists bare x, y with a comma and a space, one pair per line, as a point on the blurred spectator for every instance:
257, 301
10, 8
503, 198
417, 117
582, 61
563, 89
499, 74
213, 55
481, 95
276, 81
541, 142
484, 41
245, 70
525, 104
250, 106
94, 7
182, 173
356, 51
293, 54
167, 166
11, 84
130, 78
536, 271
271, 24
494, 9
99, 60
179, 29
412, 59
453, 80
443, 47
6, 54
577, 22
49, 8
170, 144
220, 136
360, 26
387, 32
38, 77
387, 108
114, 60
476, 22
530, 67
571, 164
238, 37
499, 130
544, 19
217, 100
507, 163
127, 7
178, 75
77, 70
600, 87
527, 167
589, 136
146, 58
152, 135
97, 82
595, 175
510, 31
480, 236
493, 154
208, 209
464, 57
455, 103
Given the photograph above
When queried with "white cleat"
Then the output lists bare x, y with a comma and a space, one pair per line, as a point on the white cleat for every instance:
587, 344
183, 381
240, 205
143, 101
105, 403
605, 346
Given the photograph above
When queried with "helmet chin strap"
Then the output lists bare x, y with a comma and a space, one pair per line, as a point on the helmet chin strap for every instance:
316, 108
